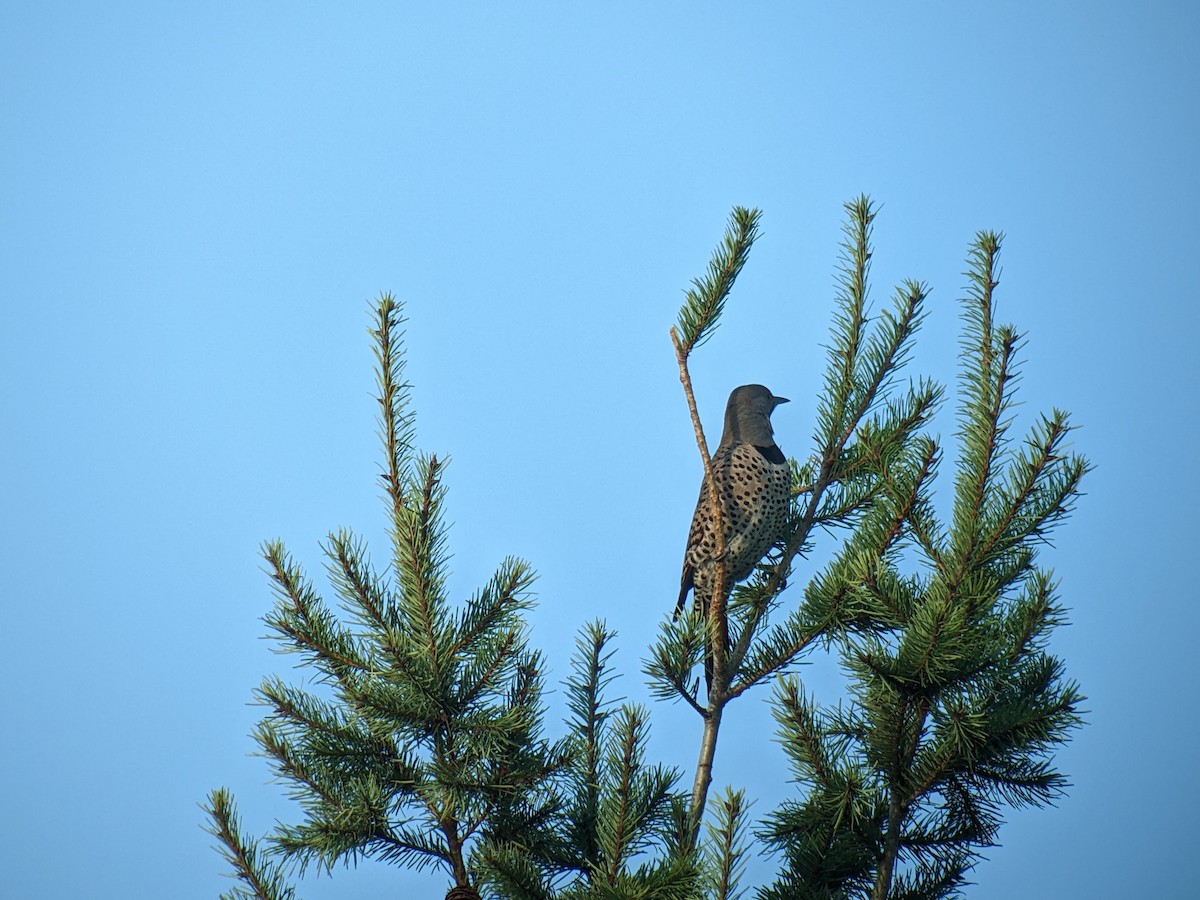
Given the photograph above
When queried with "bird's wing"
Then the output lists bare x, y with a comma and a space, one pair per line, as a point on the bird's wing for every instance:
700, 525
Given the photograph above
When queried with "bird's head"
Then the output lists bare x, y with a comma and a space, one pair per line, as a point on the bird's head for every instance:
748, 415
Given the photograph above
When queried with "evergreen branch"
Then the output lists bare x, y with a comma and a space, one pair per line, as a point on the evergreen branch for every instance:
968, 811
636, 805
674, 878
989, 738
677, 836
958, 706
935, 767
904, 495
679, 649
485, 633
288, 760
302, 618
705, 300
1033, 616
1041, 489
983, 442
344, 754
495, 606
887, 436
838, 423
410, 847
891, 598
326, 733
357, 830
1030, 784
585, 687
532, 759
490, 731
861, 366
923, 522
590, 712
940, 877
775, 651
407, 703
888, 349
984, 278
420, 564
300, 707
363, 593
988, 358
831, 841
857, 590
860, 585
931, 647
850, 318
483, 674
617, 828
531, 822
727, 843
1032, 710
264, 879
513, 874
396, 422
801, 734
717, 624
844, 502
885, 868
888, 345
517, 783
432, 711
697, 319
930, 833
830, 605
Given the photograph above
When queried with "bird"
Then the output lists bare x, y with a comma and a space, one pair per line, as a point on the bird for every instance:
754, 487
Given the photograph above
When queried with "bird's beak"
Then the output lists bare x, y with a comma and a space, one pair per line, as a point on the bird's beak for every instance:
779, 400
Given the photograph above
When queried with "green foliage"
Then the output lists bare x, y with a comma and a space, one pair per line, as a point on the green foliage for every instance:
727, 846
259, 877
830, 838
705, 299
424, 740
956, 705
862, 360
616, 832
422, 745
431, 725
418, 739
867, 433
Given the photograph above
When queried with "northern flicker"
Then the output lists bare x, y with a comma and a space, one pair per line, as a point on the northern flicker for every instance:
754, 484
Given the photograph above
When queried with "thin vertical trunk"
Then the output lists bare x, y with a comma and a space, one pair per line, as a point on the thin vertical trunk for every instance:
708, 750
454, 844
891, 848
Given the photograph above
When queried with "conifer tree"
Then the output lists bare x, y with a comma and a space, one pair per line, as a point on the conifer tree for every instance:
427, 740
425, 749
423, 744
614, 809
863, 423
955, 703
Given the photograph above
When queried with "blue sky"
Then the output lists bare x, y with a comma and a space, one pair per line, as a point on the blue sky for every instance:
197, 203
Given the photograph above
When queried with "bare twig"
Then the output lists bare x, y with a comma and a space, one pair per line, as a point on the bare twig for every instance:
717, 621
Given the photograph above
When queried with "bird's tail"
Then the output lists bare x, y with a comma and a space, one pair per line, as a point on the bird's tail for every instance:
685, 585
